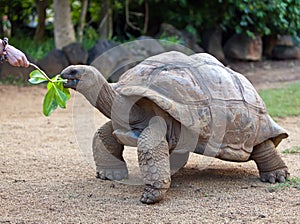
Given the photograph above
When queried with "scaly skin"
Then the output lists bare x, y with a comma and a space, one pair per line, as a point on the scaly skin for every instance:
153, 149
108, 155
270, 165
153, 156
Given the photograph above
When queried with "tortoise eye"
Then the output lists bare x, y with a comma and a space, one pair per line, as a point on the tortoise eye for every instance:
73, 72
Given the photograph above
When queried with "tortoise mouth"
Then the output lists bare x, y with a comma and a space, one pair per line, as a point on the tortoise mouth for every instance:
72, 82
73, 75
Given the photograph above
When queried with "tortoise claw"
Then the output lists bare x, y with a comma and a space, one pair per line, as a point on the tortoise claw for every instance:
152, 195
112, 173
274, 176
281, 179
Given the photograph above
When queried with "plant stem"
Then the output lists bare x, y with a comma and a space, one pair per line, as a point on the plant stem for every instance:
41, 71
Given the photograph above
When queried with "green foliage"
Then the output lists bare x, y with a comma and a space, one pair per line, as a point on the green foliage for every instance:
13, 80
170, 39
262, 17
182, 14
293, 150
94, 10
75, 11
293, 182
34, 49
282, 102
37, 77
90, 36
240, 16
24, 8
56, 96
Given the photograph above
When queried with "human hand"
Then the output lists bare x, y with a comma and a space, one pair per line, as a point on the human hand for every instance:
15, 57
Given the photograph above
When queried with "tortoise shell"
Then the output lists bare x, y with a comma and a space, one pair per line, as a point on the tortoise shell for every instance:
206, 97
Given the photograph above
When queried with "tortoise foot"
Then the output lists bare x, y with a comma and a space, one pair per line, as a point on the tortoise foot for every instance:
274, 176
152, 195
119, 173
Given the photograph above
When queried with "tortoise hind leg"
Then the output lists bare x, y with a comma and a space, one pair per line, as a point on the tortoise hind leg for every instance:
107, 153
270, 165
178, 160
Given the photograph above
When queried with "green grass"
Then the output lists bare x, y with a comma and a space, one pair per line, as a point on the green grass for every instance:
293, 150
283, 102
293, 182
36, 50
13, 80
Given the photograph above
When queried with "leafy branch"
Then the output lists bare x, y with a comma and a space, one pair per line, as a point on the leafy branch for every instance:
57, 94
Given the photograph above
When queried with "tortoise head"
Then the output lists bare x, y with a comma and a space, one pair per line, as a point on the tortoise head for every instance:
74, 74
88, 81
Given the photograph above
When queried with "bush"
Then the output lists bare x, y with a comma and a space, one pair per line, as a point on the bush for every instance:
264, 17
34, 49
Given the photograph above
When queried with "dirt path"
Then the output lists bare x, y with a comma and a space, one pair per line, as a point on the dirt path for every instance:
47, 177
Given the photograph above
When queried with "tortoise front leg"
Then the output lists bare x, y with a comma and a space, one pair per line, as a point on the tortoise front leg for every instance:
108, 155
153, 156
270, 165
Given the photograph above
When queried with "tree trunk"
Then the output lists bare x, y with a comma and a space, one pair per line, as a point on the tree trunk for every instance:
64, 33
41, 6
146, 21
105, 28
82, 19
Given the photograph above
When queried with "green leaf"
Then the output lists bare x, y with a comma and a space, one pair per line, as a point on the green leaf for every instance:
36, 77
57, 94
50, 103
61, 87
60, 96
49, 85
55, 78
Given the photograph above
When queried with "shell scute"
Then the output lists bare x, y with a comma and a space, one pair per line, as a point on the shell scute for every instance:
206, 97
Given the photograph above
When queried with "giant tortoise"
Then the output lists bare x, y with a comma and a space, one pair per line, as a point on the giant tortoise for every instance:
173, 104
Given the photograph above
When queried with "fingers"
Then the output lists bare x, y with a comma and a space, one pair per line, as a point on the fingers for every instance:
16, 57
25, 62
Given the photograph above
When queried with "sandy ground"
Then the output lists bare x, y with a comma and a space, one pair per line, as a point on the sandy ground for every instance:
47, 176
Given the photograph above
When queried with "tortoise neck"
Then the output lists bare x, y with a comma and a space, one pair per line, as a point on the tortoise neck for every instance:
105, 99
98, 91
